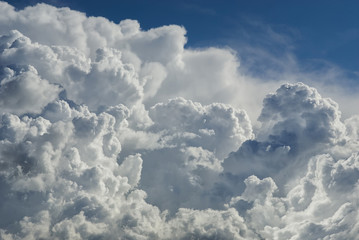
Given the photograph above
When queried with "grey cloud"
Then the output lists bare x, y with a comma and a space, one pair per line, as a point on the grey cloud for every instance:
22, 90
311, 209
301, 108
209, 224
297, 123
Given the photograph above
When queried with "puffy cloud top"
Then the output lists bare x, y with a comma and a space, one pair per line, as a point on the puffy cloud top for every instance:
298, 114
218, 127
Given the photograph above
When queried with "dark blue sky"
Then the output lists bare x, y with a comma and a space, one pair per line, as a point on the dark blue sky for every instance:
322, 29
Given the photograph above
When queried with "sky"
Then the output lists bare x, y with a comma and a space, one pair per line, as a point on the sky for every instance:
280, 41
325, 30
179, 120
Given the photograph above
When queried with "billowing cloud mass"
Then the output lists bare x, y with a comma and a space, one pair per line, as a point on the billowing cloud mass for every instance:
108, 131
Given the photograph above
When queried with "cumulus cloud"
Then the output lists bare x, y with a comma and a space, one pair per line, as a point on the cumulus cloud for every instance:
297, 123
108, 131
24, 91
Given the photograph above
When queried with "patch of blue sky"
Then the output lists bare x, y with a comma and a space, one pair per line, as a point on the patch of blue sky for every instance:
315, 33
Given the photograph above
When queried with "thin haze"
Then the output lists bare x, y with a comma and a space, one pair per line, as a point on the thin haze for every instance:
113, 131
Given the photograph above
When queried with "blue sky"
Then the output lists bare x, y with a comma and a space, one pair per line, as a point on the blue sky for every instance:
324, 30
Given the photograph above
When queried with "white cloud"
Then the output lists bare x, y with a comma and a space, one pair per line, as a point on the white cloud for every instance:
24, 91
108, 131
217, 127
209, 224
300, 108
